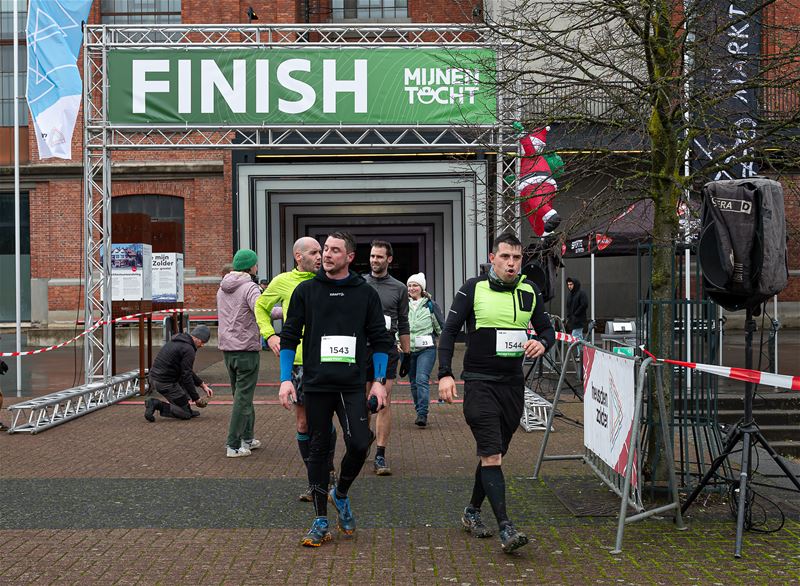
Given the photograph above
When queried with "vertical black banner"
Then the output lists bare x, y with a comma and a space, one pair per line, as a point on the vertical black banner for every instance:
724, 106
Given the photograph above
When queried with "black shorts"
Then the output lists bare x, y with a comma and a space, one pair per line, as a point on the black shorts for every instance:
493, 411
391, 368
297, 381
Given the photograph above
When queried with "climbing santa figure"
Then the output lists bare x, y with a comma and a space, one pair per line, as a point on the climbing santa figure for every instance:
536, 184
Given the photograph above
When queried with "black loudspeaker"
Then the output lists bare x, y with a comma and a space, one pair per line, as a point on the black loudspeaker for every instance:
540, 265
742, 248
743, 259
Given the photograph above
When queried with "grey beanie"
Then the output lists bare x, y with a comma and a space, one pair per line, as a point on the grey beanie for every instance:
202, 333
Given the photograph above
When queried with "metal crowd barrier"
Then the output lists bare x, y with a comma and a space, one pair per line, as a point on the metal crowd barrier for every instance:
42, 413
621, 484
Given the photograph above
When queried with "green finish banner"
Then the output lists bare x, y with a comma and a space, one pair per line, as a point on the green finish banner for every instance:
380, 86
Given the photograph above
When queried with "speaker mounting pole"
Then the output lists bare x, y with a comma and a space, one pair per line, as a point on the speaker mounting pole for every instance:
748, 432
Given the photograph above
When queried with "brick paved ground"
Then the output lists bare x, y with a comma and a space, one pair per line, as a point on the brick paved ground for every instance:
112, 499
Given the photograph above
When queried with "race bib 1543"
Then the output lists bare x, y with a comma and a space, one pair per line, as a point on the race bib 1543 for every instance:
338, 349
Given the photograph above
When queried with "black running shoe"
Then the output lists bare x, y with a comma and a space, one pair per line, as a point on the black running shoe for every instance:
511, 539
149, 410
473, 524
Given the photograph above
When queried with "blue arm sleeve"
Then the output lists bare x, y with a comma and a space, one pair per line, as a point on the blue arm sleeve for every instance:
379, 362
287, 361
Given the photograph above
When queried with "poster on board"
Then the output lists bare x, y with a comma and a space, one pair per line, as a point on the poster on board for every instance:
131, 272
608, 404
167, 277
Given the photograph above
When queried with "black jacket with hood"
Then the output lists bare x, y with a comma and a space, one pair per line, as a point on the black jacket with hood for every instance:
577, 306
324, 307
174, 363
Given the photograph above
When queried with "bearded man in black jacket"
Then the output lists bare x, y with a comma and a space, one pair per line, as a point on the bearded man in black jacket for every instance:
335, 314
172, 375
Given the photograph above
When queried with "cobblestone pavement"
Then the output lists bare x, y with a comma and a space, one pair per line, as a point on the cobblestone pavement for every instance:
112, 499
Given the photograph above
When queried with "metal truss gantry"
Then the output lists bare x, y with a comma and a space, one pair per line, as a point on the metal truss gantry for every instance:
41, 413
101, 138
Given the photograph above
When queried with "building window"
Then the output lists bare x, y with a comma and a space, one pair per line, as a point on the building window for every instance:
366, 10
7, 226
160, 208
7, 62
140, 11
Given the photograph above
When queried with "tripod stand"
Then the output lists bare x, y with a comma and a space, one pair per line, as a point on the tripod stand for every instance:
555, 368
749, 434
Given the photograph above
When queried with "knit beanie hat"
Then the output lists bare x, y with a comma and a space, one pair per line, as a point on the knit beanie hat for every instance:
202, 333
419, 279
244, 259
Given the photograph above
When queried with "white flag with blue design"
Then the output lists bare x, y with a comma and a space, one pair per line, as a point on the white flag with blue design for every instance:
55, 36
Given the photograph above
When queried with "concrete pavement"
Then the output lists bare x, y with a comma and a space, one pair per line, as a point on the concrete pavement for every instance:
112, 499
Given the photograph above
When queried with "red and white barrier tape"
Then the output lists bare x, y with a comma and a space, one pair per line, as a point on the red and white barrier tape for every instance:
562, 337
783, 381
97, 325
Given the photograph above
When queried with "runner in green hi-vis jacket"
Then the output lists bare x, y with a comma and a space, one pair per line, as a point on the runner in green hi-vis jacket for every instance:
308, 257
497, 309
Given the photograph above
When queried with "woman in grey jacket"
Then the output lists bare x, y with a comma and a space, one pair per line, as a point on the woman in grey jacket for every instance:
425, 322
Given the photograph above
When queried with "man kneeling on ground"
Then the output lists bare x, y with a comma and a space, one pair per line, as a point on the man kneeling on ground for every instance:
173, 376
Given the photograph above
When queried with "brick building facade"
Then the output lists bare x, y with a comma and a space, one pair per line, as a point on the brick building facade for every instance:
201, 179
205, 181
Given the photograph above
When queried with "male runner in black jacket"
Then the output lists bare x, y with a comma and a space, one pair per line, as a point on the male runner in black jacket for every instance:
497, 309
335, 314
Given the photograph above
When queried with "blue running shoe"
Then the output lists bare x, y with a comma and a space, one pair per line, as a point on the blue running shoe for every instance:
318, 534
347, 523
381, 467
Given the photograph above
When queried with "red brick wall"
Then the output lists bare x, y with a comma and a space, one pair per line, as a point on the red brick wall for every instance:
57, 226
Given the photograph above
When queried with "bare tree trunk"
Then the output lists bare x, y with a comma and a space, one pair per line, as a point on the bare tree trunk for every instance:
665, 190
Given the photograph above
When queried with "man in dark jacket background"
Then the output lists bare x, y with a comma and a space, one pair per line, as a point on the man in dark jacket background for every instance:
577, 306
173, 376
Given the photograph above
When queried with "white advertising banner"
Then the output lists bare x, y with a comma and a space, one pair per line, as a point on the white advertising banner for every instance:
608, 403
131, 267
167, 277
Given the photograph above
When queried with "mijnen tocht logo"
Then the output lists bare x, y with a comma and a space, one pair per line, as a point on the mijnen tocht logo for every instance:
445, 85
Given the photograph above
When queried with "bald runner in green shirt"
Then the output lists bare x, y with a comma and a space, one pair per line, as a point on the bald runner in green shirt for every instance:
308, 258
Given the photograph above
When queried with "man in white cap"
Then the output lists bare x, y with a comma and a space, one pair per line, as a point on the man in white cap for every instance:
172, 375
